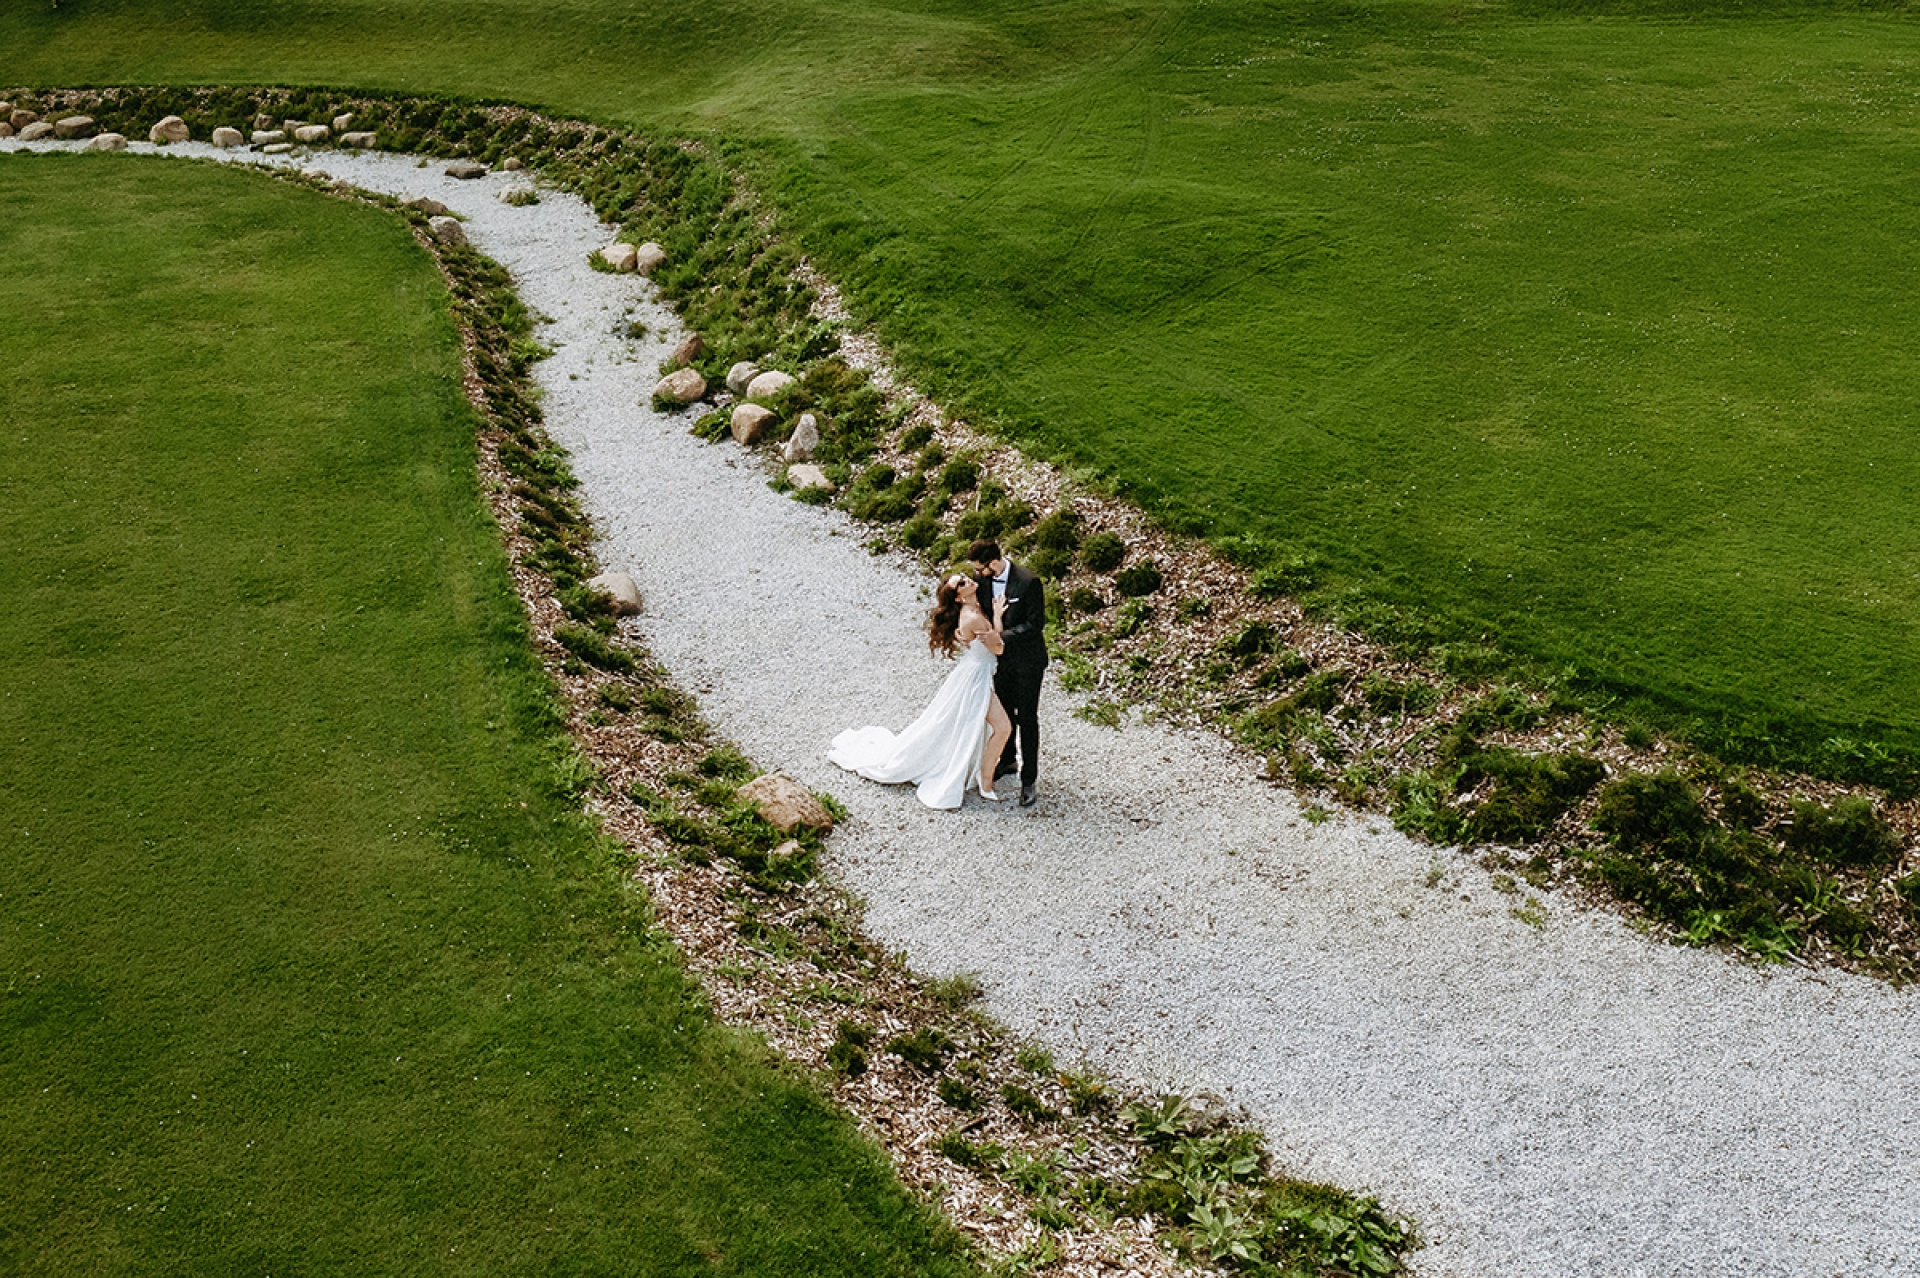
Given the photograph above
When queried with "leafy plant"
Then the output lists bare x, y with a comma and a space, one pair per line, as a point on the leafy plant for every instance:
1103, 551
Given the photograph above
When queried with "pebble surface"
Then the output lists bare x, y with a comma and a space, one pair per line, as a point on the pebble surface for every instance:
1567, 1099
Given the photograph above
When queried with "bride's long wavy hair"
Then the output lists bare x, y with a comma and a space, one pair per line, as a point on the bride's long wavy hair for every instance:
946, 617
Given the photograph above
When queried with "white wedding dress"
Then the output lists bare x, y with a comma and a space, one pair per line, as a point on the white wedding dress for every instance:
940, 751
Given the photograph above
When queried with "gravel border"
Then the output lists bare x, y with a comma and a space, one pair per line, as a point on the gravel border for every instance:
1569, 1098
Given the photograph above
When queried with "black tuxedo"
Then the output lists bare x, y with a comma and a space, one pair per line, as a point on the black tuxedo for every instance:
1022, 666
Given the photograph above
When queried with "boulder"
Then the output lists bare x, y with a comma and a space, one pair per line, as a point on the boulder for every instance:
108, 142
170, 129
740, 375
276, 148
466, 170
343, 122
767, 384
74, 126
622, 589
262, 122
749, 423
225, 137
447, 230
621, 257
20, 118
512, 164
6, 130
35, 131
648, 257
807, 475
784, 803
363, 139
683, 385
268, 137
6, 108
426, 204
805, 439
312, 134
691, 347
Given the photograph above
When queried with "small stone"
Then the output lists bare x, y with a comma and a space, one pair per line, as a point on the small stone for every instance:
691, 347
343, 122
740, 375
512, 164
621, 257
312, 134
807, 475
108, 142
805, 439
35, 131
226, 137
277, 148
447, 230
268, 137
426, 204
73, 127
466, 170
262, 122
767, 384
363, 139
170, 129
341, 184
784, 803
20, 118
682, 385
749, 423
648, 257
315, 175
622, 589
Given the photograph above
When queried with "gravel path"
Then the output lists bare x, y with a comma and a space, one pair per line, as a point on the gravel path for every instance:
1555, 1101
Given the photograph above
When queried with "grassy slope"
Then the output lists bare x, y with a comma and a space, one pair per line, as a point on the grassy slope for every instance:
1588, 334
305, 971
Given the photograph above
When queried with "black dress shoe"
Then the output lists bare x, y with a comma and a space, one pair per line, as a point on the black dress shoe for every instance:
1027, 796
1005, 770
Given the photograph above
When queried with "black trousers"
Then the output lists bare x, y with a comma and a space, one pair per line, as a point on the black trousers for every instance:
1018, 687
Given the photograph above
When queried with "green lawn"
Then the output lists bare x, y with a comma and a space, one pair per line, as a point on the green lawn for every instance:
309, 964
1581, 330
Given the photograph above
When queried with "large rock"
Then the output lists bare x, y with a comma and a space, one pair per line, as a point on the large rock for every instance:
784, 803
74, 126
749, 423
622, 589
108, 142
312, 134
363, 139
262, 121
805, 440
447, 230
426, 204
20, 118
6, 109
807, 475
277, 148
768, 384
466, 170
226, 137
683, 385
268, 137
170, 129
691, 347
648, 258
740, 375
6, 130
621, 257
512, 164
35, 131
343, 122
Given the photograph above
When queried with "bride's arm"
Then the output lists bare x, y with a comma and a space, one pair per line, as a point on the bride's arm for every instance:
976, 627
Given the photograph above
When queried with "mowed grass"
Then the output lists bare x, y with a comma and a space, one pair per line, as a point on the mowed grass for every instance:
1586, 332
309, 963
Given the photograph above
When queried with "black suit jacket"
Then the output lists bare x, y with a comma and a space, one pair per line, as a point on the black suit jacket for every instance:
1024, 626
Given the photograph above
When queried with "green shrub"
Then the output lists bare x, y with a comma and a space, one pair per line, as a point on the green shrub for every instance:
847, 1054
916, 437
961, 475
1385, 695
921, 531
1049, 564
1531, 793
1084, 599
1651, 810
1103, 551
591, 647
1294, 576
925, 1049
1131, 618
958, 1094
1250, 642
1024, 1104
1138, 579
1059, 531
1848, 833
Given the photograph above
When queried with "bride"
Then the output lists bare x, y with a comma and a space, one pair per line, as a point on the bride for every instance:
955, 742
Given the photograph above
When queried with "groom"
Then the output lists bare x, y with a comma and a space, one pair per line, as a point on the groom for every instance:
1023, 664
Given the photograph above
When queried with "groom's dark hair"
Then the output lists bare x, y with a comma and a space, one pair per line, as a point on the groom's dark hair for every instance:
983, 552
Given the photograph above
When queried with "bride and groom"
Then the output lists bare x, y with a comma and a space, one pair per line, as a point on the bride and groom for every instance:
986, 714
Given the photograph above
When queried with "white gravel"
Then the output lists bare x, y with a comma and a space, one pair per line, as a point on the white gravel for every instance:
1570, 1100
